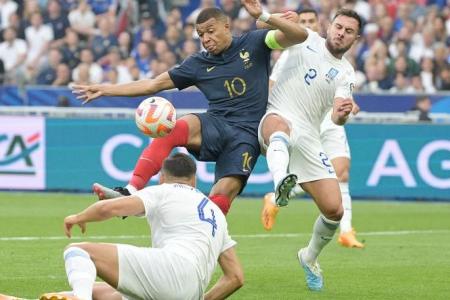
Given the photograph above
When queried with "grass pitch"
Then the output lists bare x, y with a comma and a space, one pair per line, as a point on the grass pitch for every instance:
407, 254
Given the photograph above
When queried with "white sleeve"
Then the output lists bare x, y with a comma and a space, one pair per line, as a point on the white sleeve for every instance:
151, 197
276, 71
227, 242
346, 85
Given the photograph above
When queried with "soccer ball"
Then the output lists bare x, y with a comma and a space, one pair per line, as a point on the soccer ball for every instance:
155, 117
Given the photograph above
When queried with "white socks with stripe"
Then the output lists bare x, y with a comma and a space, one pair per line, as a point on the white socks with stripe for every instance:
346, 221
323, 232
81, 272
278, 156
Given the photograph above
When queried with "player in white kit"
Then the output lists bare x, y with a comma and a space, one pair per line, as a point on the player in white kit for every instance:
314, 79
189, 236
335, 144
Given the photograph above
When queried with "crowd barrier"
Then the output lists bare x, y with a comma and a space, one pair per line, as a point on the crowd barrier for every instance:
400, 161
193, 99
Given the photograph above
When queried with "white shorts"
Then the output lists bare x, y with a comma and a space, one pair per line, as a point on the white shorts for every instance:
307, 156
334, 139
153, 273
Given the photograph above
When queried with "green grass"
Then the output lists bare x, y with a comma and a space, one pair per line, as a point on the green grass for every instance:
407, 254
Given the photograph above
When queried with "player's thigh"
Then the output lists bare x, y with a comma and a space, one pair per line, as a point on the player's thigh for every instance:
195, 131
341, 166
229, 186
307, 157
270, 123
103, 291
327, 196
235, 164
212, 134
154, 273
105, 258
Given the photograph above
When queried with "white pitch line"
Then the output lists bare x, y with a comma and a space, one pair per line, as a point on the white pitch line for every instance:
257, 236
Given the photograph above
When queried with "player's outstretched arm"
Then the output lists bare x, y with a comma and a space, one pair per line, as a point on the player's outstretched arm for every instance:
289, 33
289, 15
232, 278
103, 210
142, 87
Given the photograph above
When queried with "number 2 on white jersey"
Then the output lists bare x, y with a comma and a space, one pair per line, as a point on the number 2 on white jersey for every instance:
312, 73
201, 215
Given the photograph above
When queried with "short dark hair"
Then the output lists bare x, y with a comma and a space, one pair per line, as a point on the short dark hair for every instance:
212, 12
179, 165
308, 11
351, 14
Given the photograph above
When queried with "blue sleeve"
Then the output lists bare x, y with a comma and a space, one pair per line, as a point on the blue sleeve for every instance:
184, 75
259, 36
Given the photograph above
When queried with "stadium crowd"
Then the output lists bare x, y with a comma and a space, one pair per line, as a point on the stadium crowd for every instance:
404, 48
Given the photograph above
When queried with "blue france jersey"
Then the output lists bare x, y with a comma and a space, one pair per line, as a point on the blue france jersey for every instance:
235, 82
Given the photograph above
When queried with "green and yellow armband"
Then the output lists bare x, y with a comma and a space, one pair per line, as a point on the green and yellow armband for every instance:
271, 41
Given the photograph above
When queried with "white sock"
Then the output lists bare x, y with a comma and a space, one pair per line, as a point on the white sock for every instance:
346, 221
278, 156
81, 272
323, 232
131, 189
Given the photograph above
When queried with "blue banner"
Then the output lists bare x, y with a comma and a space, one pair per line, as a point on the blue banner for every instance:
388, 161
194, 99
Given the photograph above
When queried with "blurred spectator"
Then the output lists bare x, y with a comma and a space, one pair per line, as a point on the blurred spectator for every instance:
18, 24
95, 72
7, 8
57, 20
112, 76
444, 79
30, 7
404, 65
401, 85
173, 39
192, 18
104, 40
71, 48
231, 8
143, 57
146, 25
124, 44
81, 75
62, 75
38, 37
426, 74
82, 19
441, 57
100, 7
114, 61
189, 47
423, 106
47, 74
13, 53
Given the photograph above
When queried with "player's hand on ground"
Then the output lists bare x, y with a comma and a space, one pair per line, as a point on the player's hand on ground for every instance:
69, 222
253, 7
290, 15
87, 93
343, 107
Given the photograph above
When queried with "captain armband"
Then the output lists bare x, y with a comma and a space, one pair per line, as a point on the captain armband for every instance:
271, 41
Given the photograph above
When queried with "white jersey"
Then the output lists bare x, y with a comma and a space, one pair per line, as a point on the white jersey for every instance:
184, 221
308, 78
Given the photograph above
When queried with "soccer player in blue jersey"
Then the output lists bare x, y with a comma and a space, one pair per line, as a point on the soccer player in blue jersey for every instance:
233, 74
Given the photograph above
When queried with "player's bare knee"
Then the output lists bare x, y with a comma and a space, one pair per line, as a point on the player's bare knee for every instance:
342, 175
334, 213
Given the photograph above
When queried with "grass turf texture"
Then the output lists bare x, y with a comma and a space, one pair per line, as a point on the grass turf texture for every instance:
406, 254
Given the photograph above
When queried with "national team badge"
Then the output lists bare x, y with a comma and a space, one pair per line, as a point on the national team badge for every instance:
245, 56
332, 73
